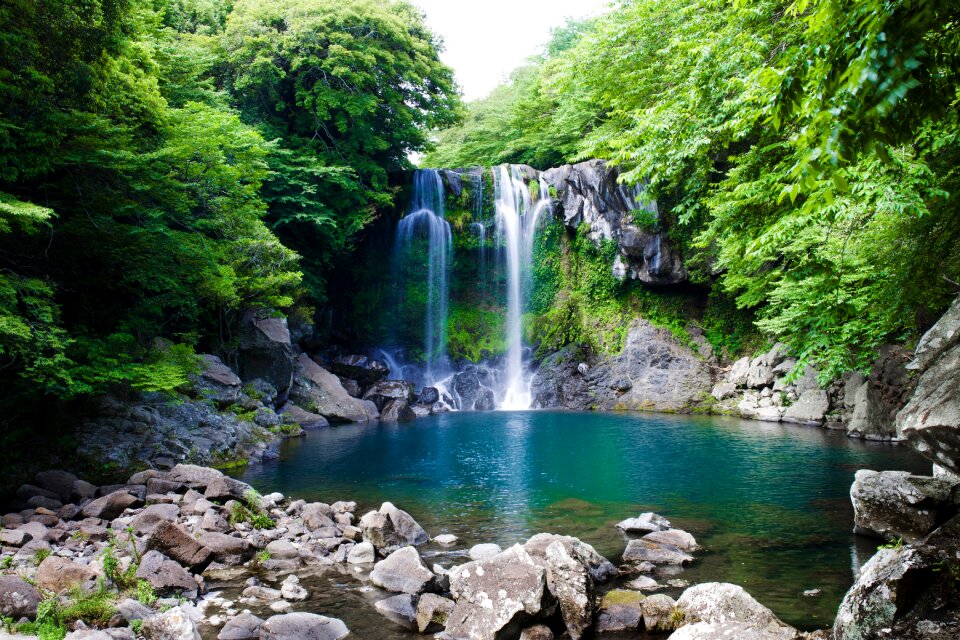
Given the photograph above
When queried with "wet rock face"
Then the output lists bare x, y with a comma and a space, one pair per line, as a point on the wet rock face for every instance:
931, 420
588, 193
364, 370
652, 372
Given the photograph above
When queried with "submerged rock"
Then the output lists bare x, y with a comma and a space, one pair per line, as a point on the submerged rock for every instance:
645, 522
401, 609
620, 610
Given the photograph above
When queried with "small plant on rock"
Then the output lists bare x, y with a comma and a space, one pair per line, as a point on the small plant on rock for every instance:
41, 555
145, 593
6, 562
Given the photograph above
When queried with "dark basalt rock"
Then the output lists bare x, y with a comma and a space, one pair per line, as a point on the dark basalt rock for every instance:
364, 370
265, 350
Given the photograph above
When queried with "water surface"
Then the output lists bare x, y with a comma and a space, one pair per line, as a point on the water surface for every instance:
769, 502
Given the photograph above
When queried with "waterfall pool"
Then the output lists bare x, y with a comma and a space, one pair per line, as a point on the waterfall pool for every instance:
768, 502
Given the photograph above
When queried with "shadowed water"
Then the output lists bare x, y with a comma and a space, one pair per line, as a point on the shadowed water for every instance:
768, 502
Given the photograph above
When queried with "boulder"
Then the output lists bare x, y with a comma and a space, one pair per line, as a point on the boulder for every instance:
810, 408
224, 488
905, 593
639, 551
174, 542
496, 598
432, 612
147, 520
59, 482
484, 551
620, 610
537, 632
111, 505
896, 504
429, 395
303, 626
644, 523
58, 574
383, 392
570, 583
720, 604
175, 624
14, 537
660, 613
931, 419
362, 553
870, 419
401, 609
292, 413
486, 400
676, 537
404, 572
599, 568
291, 590
397, 411
723, 390
130, 610
193, 476
391, 527
164, 574
18, 598
227, 549
265, 350
216, 381
245, 626
731, 631
319, 391
365, 371
446, 539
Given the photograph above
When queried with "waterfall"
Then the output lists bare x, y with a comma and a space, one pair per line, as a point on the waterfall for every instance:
517, 217
425, 219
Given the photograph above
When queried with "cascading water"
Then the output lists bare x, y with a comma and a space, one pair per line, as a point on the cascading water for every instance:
425, 219
517, 217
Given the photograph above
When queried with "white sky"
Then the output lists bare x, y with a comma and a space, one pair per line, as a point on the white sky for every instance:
486, 40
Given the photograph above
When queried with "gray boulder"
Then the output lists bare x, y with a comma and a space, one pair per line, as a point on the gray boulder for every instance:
397, 410
403, 571
570, 583
810, 408
905, 593
291, 413
147, 520
496, 598
265, 350
177, 544
432, 612
731, 631
660, 613
723, 607
401, 609
18, 598
676, 537
640, 551
111, 506
484, 551
598, 568
164, 574
174, 624
217, 381
364, 370
319, 391
58, 574
303, 626
245, 626
383, 392
620, 610
644, 523
391, 527
870, 419
227, 549
931, 419
57, 481
896, 504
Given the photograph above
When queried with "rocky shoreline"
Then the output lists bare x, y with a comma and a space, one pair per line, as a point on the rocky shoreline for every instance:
147, 559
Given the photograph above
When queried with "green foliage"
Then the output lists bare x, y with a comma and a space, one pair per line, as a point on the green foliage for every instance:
145, 593
40, 555
6, 562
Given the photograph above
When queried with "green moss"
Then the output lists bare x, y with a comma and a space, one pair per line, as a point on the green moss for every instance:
621, 596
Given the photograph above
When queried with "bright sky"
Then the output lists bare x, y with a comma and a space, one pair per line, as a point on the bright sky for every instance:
486, 40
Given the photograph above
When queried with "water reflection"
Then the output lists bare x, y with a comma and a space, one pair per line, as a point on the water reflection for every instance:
769, 502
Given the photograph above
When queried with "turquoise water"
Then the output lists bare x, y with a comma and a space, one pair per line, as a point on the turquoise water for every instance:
768, 502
